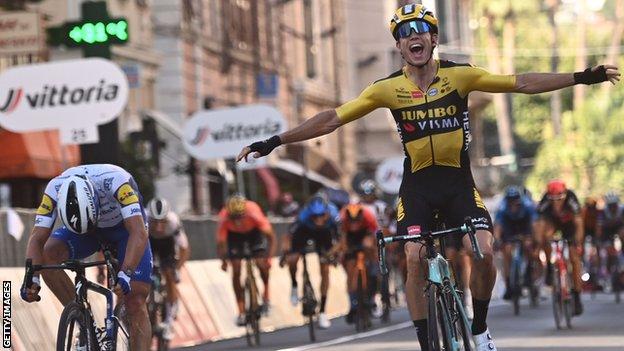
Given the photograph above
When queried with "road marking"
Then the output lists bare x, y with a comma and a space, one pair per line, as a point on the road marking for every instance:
347, 338
351, 337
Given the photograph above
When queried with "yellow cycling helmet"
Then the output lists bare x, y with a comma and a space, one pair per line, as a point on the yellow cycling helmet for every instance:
236, 205
412, 12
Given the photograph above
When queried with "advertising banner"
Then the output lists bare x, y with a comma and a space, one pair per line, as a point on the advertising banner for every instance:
74, 96
222, 133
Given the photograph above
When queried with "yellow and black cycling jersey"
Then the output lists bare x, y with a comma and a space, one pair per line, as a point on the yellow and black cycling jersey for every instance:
433, 124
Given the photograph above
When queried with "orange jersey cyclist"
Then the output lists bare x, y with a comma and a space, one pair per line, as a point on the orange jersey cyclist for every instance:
244, 229
428, 99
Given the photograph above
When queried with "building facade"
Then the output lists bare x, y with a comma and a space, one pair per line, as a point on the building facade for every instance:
225, 53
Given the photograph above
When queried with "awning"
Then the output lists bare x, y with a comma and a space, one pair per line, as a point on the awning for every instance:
177, 131
296, 168
35, 155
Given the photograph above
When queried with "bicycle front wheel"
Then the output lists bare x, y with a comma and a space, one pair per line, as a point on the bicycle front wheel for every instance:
309, 308
252, 313
122, 333
75, 330
438, 322
557, 300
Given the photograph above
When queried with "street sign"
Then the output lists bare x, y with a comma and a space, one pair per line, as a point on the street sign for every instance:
74, 96
222, 133
266, 85
20, 33
389, 175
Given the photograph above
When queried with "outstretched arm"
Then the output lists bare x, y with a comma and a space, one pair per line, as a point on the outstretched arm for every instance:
322, 123
533, 83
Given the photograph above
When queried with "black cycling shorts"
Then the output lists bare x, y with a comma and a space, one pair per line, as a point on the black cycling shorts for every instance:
323, 239
355, 243
252, 244
415, 209
164, 250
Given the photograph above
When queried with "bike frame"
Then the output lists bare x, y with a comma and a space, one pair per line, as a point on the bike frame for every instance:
83, 285
439, 275
560, 258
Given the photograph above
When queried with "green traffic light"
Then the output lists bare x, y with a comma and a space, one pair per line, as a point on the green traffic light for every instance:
99, 32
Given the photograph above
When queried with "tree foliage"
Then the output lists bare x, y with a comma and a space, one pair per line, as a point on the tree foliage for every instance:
588, 153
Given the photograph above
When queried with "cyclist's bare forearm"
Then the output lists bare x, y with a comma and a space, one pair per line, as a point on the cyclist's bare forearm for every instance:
137, 240
36, 241
322, 123
534, 83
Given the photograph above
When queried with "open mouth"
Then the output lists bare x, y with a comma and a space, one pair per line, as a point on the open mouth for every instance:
416, 49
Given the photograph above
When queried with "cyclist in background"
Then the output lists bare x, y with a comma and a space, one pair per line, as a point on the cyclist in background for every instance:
243, 225
317, 221
610, 225
590, 213
515, 217
560, 210
358, 226
170, 244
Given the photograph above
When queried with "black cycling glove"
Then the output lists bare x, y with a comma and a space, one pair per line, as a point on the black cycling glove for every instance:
266, 146
591, 77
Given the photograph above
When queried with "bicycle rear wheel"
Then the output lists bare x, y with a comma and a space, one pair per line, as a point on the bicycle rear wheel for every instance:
75, 330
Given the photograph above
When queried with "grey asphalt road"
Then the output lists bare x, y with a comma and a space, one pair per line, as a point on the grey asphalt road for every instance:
600, 328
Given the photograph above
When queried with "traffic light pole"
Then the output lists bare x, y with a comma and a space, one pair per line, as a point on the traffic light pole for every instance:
107, 149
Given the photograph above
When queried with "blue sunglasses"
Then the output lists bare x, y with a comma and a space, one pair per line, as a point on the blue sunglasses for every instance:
406, 29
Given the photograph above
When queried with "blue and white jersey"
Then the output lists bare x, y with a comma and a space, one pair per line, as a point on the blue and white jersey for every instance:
117, 192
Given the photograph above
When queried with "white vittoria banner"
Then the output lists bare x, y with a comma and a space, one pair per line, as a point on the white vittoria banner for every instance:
389, 174
74, 96
222, 133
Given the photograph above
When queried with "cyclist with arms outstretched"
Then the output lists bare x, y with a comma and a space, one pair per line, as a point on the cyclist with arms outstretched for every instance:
97, 204
428, 99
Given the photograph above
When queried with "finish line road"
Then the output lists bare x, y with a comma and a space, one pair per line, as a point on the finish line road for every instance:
600, 328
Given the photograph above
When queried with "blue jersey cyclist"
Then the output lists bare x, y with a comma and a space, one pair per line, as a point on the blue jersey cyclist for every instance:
317, 222
515, 218
97, 204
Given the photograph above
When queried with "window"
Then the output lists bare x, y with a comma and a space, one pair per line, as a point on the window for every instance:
310, 45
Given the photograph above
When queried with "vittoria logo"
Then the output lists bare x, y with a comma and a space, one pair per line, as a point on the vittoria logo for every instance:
13, 99
54, 96
230, 132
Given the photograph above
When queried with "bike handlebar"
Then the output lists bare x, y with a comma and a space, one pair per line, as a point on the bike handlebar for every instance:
466, 228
